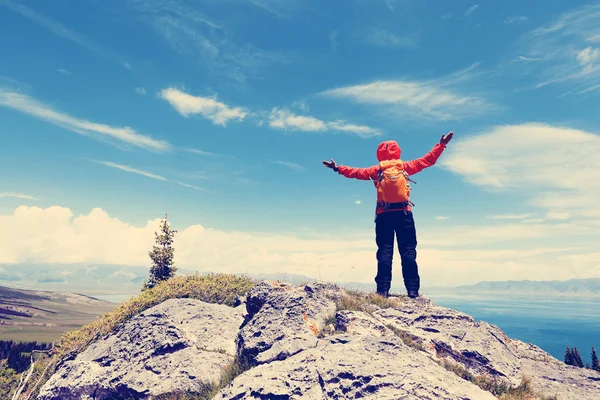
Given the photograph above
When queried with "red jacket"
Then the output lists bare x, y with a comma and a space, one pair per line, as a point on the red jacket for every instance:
390, 150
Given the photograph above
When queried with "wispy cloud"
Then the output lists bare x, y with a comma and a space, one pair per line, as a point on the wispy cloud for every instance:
59, 29
278, 118
132, 170
510, 216
291, 165
127, 65
28, 105
17, 196
204, 39
440, 99
187, 185
523, 158
284, 119
140, 90
515, 19
209, 107
54, 26
442, 218
147, 174
471, 9
63, 71
386, 39
567, 49
199, 152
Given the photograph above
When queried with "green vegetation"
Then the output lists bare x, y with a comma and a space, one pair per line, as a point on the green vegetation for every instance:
212, 288
161, 256
595, 363
9, 379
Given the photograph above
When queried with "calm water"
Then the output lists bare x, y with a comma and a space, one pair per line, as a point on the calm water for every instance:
551, 324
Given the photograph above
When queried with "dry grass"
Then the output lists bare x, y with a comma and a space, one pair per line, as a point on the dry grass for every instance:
502, 390
213, 288
407, 338
355, 300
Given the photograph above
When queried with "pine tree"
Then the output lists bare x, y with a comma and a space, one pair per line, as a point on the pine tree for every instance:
595, 362
161, 255
577, 358
569, 357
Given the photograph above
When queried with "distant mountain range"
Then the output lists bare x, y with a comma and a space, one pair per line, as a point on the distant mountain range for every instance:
572, 287
122, 279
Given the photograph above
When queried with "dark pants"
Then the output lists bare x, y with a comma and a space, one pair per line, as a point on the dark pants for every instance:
386, 224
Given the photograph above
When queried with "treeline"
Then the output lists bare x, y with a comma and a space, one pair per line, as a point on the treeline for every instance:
17, 355
572, 357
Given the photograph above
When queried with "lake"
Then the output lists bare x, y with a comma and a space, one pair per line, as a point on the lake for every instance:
550, 323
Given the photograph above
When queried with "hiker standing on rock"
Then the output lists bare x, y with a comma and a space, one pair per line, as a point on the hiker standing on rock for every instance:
393, 212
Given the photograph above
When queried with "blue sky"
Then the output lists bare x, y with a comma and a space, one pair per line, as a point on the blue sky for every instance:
220, 112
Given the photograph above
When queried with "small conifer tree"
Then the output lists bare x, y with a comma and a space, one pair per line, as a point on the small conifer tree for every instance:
161, 256
595, 362
577, 361
568, 357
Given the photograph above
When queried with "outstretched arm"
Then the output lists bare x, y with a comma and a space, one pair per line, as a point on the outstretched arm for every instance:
414, 166
350, 172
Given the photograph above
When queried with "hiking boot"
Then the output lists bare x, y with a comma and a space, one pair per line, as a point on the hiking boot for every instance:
384, 293
413, 294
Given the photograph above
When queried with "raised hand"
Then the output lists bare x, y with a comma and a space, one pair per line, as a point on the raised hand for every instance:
330, 164
446, 138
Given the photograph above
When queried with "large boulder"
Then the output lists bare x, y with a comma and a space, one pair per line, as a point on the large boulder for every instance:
481, 348
351, 367
178, 345
286, 319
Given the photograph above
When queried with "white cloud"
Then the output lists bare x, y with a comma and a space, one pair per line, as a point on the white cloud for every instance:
383, 38
515, 19
438, 99
63, 71
587, 57
187, 185
358, 202
127, 65
510, 216
442, 218
566, 47
132, 170
285, 119
17, 196
360, 130
219, 113
553, 166
470, 10
56, 235
30, 106
140, 90
557, 215
291, 165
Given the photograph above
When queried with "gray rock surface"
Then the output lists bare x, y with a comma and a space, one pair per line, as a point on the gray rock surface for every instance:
301, 346
480, 347
351, 367
287, 320
179, 344
567, 382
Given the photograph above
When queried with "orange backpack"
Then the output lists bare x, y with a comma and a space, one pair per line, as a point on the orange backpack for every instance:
392, 184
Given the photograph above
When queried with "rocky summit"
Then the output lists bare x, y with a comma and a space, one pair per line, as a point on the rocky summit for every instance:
315, 341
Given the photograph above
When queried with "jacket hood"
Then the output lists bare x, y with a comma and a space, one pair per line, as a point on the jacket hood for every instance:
388, 150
